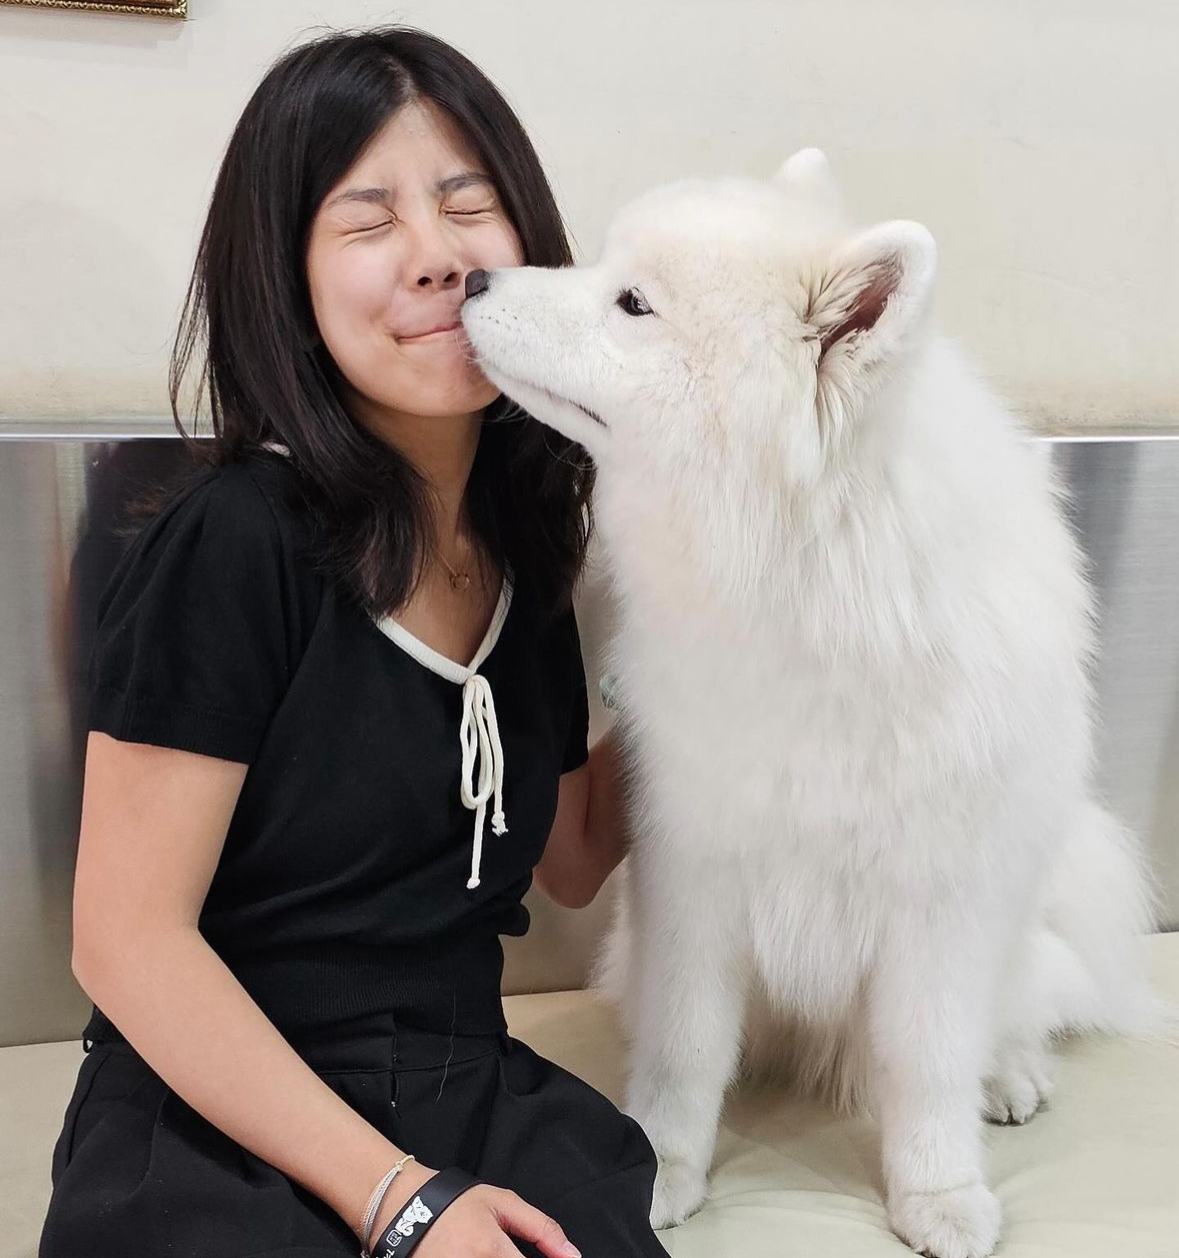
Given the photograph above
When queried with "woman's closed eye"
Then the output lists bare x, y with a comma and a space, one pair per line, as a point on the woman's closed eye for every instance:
485, 209
370, 227
366, 228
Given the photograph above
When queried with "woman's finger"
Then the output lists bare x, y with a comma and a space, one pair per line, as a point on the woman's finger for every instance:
530, 1224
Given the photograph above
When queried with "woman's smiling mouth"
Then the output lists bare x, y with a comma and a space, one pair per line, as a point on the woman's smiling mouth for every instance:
455, 326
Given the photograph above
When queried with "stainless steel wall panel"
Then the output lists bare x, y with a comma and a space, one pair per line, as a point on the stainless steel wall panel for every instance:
63, 487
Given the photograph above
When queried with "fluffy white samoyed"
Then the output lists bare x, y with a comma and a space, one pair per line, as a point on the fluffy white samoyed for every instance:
852, 649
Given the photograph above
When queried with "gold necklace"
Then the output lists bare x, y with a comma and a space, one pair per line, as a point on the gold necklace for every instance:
460, 582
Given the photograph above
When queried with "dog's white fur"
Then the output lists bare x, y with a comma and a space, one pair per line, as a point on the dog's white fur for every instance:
853, 643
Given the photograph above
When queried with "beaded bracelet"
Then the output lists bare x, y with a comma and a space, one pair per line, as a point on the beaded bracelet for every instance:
374, 1204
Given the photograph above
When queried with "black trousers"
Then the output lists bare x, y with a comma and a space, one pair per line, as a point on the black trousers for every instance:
138, 1173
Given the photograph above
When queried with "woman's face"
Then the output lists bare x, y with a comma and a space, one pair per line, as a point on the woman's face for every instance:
387, 260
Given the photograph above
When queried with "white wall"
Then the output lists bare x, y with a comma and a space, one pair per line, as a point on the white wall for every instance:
1037, 139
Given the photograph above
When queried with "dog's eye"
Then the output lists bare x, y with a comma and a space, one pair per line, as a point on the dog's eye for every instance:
633, 302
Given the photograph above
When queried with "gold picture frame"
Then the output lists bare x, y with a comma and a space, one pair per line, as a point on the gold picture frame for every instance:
148, 8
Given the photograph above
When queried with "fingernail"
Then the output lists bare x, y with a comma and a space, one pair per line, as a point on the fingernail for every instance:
572, 1250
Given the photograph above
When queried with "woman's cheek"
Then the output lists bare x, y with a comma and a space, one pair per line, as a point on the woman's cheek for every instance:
369, 284
497, 246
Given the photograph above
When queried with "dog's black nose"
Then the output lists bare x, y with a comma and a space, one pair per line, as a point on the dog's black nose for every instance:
477, 282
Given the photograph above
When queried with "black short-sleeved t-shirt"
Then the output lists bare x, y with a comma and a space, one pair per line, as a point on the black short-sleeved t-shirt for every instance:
342, 889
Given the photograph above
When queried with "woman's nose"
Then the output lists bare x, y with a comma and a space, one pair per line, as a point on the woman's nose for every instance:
435, 262
439, 277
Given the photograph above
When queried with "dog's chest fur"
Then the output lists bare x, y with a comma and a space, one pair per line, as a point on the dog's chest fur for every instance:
819, 703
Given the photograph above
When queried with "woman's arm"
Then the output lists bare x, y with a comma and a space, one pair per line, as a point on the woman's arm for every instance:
589, 836
153, 823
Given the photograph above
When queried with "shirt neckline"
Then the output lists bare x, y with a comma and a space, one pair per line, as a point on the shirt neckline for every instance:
441, 664
425, 655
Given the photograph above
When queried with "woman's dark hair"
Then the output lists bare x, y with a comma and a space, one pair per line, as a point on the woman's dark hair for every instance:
269, 378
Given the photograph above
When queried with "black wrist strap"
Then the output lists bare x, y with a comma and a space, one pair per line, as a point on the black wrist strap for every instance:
402, 1235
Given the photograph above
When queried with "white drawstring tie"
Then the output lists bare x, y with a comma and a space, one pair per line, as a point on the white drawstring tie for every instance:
480, 736
479, 732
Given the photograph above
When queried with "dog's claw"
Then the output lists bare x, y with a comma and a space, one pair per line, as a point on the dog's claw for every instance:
957, 1223
1019, 1087
680, 1190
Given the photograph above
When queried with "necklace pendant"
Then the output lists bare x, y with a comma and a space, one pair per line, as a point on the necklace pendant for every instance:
459, 582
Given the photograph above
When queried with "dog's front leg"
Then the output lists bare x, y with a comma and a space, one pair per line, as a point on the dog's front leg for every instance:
687, 1034
929, 1006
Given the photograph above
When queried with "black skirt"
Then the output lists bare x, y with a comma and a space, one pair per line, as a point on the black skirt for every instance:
138, 1172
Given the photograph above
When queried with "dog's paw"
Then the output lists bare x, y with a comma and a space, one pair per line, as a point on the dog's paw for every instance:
1020, 1085
680, 1190
957, 1223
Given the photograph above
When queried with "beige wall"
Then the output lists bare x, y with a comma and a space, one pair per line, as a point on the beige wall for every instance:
1037, 138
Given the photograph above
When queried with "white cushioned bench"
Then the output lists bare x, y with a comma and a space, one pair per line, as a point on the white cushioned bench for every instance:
1094, 1176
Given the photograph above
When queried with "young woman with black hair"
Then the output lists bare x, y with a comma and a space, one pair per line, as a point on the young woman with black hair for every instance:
337, 722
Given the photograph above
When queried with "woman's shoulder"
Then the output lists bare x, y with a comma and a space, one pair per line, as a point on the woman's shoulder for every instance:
234, 523
204, 620
259, 488
249, 501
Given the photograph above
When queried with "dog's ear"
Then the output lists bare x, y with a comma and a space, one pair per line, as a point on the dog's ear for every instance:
808, 173
871, 295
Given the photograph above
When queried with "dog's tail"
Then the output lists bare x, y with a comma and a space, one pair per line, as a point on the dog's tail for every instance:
1091, 954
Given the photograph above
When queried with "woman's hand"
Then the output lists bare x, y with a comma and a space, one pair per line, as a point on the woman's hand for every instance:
478, 1224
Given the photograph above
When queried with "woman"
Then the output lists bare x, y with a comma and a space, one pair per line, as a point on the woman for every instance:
284, 909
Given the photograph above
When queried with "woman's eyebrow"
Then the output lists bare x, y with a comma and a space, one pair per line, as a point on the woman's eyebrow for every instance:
465, 179
385, 196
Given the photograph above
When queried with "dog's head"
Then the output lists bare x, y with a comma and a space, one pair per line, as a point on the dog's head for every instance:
728, 320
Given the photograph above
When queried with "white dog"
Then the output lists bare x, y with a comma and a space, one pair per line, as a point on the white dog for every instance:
853, 642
